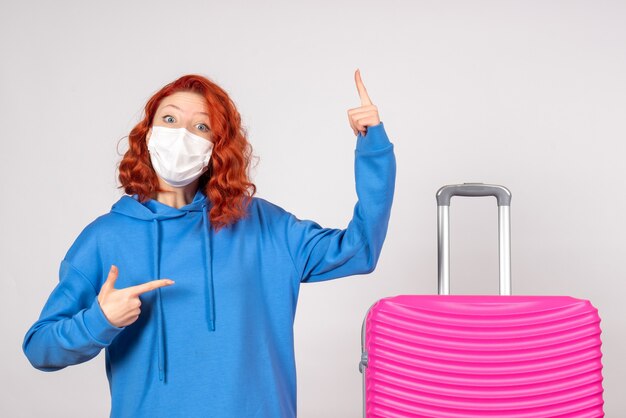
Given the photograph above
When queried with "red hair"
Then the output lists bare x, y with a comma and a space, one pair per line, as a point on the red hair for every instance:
226, 182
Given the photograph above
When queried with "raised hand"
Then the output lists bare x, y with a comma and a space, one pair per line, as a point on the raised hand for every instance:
121, 306
365, 115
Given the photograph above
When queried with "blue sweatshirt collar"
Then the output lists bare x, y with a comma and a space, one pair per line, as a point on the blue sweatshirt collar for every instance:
155, 211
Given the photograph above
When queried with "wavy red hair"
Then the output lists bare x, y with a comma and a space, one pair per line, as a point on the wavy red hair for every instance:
226, 183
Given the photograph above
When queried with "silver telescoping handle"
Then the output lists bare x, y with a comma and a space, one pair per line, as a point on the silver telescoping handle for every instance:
503, 196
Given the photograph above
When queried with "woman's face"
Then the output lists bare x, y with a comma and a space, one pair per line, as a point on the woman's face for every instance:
183, 110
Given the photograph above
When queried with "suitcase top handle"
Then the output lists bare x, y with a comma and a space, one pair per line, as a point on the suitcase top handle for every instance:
503, 195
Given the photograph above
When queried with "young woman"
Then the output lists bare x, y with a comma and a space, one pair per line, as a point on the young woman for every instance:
190, 283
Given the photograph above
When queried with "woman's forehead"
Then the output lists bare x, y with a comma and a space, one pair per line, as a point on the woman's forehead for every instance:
186, 101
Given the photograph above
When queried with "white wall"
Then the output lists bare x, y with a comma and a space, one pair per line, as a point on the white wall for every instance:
527, 94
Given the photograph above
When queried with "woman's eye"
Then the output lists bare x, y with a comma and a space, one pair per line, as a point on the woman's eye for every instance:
167, 118
203, 127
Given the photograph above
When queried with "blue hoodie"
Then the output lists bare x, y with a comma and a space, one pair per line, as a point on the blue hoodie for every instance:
219, 342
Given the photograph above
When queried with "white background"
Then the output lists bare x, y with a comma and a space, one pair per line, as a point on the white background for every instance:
527, 94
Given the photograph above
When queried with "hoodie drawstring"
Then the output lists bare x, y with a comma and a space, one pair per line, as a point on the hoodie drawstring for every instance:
208, 282
208, 271
159, 307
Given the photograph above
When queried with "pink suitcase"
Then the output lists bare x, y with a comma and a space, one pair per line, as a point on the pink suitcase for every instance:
465, 356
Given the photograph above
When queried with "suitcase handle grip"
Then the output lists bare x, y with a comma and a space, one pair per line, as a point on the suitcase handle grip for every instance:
503, 196
501, 193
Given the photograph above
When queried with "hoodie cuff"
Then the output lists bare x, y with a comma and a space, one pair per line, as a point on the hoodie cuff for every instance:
374, 140
99, 326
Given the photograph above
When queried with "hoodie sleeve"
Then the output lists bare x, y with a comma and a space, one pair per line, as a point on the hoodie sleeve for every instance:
326, 253
71, 328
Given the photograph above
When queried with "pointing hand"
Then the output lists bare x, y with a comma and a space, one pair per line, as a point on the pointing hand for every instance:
121, 306
364, 115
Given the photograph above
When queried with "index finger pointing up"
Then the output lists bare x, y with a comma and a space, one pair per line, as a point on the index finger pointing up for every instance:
365, 99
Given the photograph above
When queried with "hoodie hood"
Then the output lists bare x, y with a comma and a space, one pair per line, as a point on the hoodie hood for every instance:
154, 211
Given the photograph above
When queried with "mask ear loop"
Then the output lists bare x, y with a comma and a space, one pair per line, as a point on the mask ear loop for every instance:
205, 166
208, 158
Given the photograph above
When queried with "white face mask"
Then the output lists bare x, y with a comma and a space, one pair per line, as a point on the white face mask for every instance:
177, 155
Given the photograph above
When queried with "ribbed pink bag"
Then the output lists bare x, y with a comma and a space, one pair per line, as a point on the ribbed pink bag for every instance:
466, 356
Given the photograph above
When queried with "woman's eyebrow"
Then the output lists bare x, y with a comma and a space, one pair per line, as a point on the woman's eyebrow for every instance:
176, 107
